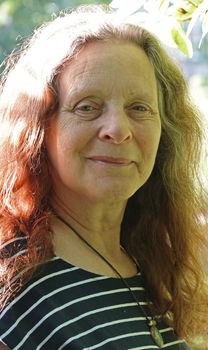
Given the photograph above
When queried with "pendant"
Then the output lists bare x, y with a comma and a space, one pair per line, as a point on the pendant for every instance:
155, 333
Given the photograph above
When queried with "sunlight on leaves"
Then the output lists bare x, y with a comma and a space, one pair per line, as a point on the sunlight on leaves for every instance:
205, 25
203, 7
5, 9
126, 8
167, 19
182, 41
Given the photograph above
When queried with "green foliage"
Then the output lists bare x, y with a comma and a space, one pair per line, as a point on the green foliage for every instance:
18, 18
175, 19
182, 41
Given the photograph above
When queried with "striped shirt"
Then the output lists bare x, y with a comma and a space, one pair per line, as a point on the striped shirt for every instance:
66, 307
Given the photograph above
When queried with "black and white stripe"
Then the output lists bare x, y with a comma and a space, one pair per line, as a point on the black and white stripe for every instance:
65, 307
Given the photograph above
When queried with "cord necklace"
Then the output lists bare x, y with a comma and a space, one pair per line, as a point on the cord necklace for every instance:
151, 321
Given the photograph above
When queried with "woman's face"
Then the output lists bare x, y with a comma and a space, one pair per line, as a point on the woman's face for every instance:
103, 142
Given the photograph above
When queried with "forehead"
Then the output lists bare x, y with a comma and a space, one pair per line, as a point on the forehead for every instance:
107, 64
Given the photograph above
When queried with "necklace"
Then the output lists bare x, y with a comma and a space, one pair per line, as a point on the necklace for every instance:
151, 321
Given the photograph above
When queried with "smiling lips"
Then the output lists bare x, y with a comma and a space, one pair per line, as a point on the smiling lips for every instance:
111, 160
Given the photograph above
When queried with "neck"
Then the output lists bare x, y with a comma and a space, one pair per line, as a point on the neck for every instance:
118, 263
99, 223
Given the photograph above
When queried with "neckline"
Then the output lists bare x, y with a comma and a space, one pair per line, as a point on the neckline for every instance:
56, 257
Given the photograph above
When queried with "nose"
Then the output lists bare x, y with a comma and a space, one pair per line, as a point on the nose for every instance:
116, 127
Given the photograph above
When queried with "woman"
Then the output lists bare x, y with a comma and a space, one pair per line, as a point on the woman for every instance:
101, 205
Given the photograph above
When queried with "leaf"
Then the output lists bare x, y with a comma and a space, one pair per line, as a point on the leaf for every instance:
164, 4
182, 41
202, 8
126, 8
204, 28
205, 25
183, 16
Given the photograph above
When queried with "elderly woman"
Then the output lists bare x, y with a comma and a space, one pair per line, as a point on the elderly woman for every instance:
101, 206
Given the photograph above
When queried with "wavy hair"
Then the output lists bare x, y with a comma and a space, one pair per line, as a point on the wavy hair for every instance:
164, 222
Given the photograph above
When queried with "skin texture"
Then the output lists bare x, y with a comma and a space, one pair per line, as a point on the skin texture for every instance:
103, 143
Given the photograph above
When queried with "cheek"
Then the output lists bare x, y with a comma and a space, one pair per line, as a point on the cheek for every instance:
56, 139
64, 148
148, 140
55, 146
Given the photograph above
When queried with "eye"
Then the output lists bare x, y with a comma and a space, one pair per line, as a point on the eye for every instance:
140, 110
88, 110
85, 108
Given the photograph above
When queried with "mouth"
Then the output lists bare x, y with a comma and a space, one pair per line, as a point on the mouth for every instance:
111, 160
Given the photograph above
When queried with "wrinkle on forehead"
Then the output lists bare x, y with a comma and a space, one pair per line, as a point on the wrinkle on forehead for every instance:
85, 72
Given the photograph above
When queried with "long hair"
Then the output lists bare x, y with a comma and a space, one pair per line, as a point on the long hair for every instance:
164, 222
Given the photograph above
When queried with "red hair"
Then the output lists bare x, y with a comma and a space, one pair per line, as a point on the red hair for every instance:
24, 185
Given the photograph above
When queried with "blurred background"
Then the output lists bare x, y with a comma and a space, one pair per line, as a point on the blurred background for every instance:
18, 19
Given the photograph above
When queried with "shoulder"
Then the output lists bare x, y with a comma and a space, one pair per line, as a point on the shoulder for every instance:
17, 317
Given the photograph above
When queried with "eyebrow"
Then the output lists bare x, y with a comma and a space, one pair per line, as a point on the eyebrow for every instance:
98, 93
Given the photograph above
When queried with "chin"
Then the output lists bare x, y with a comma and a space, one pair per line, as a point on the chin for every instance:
113, 194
